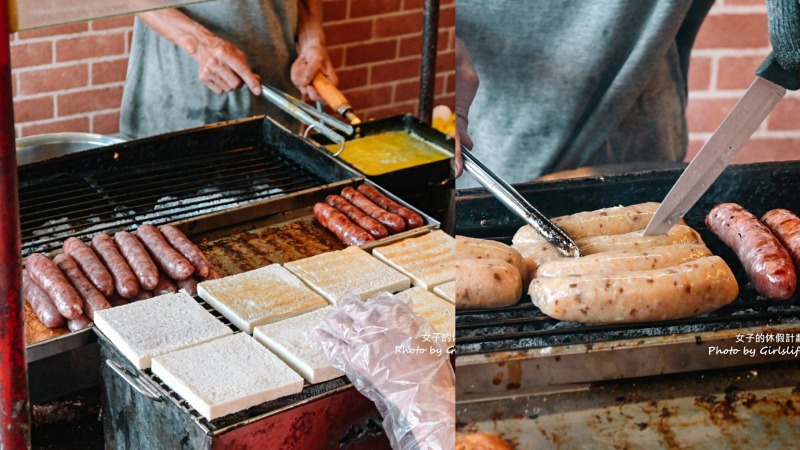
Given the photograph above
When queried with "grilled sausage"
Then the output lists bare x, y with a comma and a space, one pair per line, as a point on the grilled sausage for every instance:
486, 283
624, 260
413, 220
165, 285
189, 285
167, 258
340, 225
679, 234
370, 225
485, 249
185, 247
785, 225
124, 279
90, 265
767, 263
535, 250
137, 258
93, 300
392, 221
117, 300
42, 306
142, 295
79, 323
48, 276
615, 220
691, 288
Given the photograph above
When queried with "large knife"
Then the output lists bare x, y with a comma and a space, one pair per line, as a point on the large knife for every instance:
761, 97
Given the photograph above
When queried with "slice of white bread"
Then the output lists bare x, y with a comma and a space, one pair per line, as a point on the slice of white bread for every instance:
447, 291
438, 312
427, 259
259, 296
226, 375
148, 328
293, 340
334, 274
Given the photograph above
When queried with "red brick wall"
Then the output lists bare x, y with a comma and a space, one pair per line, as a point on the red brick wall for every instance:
732, 43
70, 78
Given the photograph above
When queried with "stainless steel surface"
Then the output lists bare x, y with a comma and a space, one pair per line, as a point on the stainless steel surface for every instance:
61, 344
135, 382
304, 114
517, 204
40, 147
705, 168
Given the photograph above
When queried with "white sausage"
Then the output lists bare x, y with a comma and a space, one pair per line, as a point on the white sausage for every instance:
485, 249
692, 288
679, 234
624, 260
486, 283
615, 220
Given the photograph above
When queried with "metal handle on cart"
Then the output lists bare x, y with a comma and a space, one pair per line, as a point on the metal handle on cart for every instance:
308, 115
137, 383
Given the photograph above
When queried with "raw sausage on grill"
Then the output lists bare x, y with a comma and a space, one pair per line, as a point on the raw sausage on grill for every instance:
392, 221
471, 248
93, 300
340, 225
486, 283
185, 247
765, 260
189, 285
370, 225
165, 285
48, 276
42, 306
137, 258
412, 219
79, 323
785, 225
167, 258
124, 278
691, 288
90, 265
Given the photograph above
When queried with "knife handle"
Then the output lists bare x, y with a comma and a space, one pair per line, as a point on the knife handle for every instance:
772, 71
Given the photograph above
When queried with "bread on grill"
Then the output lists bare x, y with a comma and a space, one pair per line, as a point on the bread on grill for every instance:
427, 259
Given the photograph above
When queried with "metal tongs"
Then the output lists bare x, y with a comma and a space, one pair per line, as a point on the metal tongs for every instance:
312, 118
514, 201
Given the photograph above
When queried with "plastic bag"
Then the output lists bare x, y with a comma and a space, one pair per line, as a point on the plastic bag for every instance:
395, 358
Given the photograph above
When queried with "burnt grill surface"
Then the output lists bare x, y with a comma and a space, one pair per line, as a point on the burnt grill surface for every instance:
758, 187
163, 179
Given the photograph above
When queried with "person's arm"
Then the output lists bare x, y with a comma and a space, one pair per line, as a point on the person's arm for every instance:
222, 66
312, 56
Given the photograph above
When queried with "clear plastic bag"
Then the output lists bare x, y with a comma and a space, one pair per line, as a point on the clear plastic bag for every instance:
396, 359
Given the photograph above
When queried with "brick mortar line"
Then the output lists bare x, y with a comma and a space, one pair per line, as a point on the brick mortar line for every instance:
58, 118
723, 9
80, 34
730, 51
64, 64
78, 90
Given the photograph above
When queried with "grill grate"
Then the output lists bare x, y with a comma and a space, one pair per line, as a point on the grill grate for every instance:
155, 192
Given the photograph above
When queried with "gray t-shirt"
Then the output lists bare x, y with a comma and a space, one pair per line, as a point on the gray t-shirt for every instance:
163, 91
572, 83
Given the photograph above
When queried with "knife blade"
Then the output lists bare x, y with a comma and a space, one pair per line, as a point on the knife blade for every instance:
514, 201
729, 137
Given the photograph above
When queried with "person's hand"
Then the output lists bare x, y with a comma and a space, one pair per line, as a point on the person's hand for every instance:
466, 86
395, 359
311, 60
223, 67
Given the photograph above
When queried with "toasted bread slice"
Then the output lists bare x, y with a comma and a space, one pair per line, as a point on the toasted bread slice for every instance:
438, 312
427, 259
447, 291
334, 274
260, 296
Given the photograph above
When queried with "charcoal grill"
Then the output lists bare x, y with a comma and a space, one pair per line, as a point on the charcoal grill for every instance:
513, 350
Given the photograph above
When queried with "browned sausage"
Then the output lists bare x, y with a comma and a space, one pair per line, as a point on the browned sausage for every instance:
124, 278
49, 277
117, 300
765, 260
139, 261
372, 226
42, 306
93, 300
785, 225
79, 323
413, 219
142, 295
392, 221
167, 258
90, 265
165, 285
185, 247
189, 285
213, 274
340, 225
